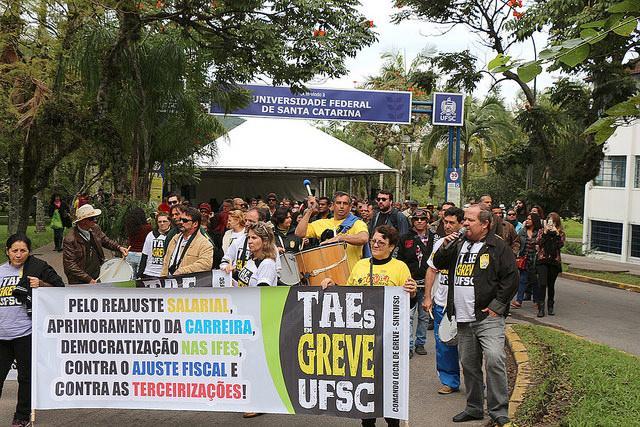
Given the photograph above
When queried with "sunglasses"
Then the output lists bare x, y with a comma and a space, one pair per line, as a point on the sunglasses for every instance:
185, 220
272, 200
421, 218
382, 199
511, 214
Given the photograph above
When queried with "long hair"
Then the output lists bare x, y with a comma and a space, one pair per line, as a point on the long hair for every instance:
535, 221
264, 232
134, 219
237, 214
556, 221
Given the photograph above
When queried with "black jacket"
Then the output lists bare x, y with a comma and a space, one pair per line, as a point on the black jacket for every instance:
495, 284
394, 217
35, 267
407, 252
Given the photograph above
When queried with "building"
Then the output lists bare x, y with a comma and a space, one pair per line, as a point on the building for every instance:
612, 200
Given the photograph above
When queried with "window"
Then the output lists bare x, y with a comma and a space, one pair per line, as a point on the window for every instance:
612, 172
637, 185
606, 237
635, 241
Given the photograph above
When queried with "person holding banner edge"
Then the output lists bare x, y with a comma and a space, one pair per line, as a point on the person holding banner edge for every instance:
21, 273
381, 270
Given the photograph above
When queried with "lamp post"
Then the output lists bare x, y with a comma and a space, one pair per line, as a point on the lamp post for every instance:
413, 146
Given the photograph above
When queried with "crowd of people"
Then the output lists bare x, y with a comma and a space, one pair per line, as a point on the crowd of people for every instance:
463, 264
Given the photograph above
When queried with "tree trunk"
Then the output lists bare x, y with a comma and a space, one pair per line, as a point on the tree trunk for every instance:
40, 214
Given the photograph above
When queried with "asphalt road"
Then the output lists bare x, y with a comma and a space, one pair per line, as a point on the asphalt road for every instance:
605, 315
426, 408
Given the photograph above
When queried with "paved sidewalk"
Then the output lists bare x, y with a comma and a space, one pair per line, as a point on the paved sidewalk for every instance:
596, 264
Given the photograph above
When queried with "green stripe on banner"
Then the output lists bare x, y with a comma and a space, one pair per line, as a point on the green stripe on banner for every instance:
272, 301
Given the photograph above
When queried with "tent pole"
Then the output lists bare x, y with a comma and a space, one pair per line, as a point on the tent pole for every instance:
351, 186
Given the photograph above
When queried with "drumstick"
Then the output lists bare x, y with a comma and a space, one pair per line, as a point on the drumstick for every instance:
307, 185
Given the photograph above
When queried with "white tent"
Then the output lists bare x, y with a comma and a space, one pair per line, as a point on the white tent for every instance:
261, 155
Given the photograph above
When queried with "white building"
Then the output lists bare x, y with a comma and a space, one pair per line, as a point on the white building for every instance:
612, 200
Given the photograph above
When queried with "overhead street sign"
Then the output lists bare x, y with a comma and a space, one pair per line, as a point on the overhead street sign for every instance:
326, 104
448, 109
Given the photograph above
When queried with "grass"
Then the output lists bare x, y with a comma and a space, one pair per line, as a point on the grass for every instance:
629, 279
572, 228
579, 383
37, 239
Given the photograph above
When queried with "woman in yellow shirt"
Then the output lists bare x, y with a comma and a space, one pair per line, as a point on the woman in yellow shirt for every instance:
381, 269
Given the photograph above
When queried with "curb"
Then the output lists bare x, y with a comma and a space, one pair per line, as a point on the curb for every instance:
601, 282
523, 377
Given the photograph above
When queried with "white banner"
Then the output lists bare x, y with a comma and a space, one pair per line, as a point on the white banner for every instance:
275, 350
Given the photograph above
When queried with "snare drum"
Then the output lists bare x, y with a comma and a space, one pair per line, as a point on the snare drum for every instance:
115, 270
289, 273
328, 261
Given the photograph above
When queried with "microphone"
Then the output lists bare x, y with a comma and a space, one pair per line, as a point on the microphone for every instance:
461, 234
307, 185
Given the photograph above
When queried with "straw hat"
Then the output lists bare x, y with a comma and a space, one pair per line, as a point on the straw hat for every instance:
86, 211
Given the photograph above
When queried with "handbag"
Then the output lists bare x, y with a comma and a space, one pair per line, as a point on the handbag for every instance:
448, 329
521, 262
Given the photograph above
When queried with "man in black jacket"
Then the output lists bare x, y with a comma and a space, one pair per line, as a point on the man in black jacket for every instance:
415, 249
388, 215
482, 280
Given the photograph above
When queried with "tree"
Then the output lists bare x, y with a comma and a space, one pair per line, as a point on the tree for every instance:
488, 127
131, 76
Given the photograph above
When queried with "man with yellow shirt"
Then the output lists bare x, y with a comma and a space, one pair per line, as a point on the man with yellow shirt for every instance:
343, 227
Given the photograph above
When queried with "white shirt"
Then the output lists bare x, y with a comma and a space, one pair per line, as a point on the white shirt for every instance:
440, 288
253, 275
464, 293
234, 253
154, 250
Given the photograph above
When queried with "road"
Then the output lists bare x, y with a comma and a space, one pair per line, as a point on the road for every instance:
605, 315
426, 408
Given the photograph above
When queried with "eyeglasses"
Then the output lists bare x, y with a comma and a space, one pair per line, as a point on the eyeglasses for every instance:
380, 243
511, 214
185, 220
420, 219
382, 199
94, 219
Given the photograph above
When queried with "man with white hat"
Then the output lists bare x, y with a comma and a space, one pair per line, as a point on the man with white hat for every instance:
82, 247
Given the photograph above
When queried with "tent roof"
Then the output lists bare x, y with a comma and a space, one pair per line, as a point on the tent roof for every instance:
287, 146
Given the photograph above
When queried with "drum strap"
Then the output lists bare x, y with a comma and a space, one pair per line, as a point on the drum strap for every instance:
177, 262
370, 271
329, 267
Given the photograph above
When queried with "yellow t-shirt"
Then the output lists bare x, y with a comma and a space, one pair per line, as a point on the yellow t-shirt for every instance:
393, 273
354, 253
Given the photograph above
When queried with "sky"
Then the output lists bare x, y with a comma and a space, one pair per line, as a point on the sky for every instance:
411, 37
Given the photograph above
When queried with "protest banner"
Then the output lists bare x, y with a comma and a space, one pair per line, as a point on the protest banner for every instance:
295, 350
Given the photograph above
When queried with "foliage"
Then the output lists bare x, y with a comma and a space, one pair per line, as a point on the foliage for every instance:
37, 239
619, 277
582, 380
572, 228
130, 77
112, 219
599, 38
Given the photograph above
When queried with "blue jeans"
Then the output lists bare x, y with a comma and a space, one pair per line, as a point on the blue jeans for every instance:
522, 285
447, 363
419, 337
133, 259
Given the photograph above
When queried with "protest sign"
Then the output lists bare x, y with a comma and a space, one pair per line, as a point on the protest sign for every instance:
297, 350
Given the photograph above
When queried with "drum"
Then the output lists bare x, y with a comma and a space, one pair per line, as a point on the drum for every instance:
328, 261
115, 270
289, 273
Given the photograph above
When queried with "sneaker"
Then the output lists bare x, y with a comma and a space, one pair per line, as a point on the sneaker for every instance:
445, 389
420, 350
410, 354
21, 423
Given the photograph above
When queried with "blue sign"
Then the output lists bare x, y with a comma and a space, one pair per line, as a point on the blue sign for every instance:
453, 175
326, 104
448, 109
